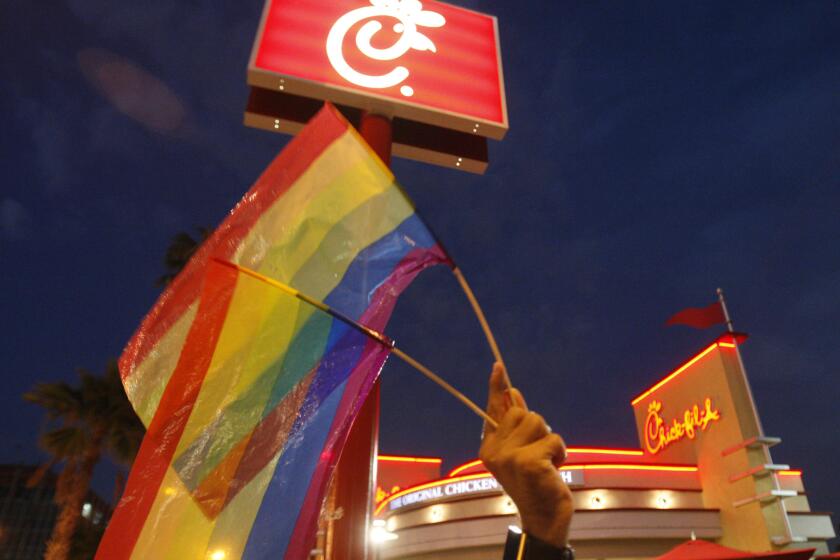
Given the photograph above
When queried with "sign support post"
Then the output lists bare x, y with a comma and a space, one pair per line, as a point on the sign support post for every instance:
352, 488
310, 51
377, 130
354, 482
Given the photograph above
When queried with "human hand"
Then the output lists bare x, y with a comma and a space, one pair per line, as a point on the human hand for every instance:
524, 455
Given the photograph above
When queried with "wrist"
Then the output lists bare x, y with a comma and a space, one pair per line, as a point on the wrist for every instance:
554, 531
523, 546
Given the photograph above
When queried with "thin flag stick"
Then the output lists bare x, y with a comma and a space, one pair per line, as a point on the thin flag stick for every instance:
479, 313
379, 337
446, 386
485, 326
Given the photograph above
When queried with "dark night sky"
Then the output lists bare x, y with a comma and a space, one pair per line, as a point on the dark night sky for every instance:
657, 151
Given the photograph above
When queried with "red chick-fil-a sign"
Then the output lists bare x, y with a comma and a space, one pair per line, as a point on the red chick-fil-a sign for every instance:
426, 61
659, 434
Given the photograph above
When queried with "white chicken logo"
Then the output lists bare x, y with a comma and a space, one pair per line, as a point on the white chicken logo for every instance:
410, 15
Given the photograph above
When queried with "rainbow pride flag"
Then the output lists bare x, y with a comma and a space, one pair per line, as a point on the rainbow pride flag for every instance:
248, 393
236, 461
326, 217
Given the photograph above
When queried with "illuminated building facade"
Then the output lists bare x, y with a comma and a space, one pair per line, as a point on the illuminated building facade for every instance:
703, 468
27, 515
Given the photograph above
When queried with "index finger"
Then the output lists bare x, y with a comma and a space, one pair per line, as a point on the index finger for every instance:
497, 401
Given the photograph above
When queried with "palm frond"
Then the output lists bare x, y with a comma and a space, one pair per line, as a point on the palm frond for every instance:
66, 442
181, 248
124, 444
38, 475
59, 399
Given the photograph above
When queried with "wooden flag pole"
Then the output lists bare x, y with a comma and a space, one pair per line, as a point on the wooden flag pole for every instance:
485, 326
376, 131
443, 384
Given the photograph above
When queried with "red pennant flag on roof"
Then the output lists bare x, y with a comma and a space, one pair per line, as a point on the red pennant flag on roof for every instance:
699, 317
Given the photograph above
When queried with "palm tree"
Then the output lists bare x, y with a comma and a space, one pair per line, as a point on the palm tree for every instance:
86, 421
91, 419
86, 541
181, 248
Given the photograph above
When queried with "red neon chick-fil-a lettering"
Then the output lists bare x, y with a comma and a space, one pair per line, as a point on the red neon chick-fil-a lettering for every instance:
659, 434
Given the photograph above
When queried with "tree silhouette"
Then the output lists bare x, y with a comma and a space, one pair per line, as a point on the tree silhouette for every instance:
181, 248
85, 422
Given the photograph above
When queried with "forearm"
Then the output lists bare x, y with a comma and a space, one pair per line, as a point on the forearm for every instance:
523, 454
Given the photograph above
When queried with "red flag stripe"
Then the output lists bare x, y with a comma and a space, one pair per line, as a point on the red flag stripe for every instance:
284, 171
170, 419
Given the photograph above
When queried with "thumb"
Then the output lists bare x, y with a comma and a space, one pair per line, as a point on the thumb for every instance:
497, 398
